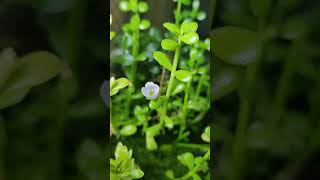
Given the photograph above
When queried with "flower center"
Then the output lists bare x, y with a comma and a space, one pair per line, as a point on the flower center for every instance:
151, 92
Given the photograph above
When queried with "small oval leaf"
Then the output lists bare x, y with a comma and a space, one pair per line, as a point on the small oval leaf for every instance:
183, 75
163, 59
172, 28
190, 38
169, 44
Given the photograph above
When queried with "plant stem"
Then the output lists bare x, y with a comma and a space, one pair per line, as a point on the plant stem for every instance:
133, 70
173, 71
198, 90
178, 12
3, 139
284, 82
246, 94
193, 146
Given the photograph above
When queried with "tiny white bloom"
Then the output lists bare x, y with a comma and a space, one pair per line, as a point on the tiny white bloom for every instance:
150, 90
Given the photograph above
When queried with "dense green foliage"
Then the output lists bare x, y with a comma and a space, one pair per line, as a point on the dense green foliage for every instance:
165, 103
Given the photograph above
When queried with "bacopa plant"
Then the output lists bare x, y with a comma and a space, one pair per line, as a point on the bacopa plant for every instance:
160, 88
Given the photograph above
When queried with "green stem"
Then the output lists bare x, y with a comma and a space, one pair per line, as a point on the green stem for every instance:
3, 139
198, 90
284, 83
178, 13
239, 148
173, 71
133, 70
193, 146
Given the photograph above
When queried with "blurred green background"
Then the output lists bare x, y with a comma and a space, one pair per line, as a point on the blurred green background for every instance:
59, 130
266, 80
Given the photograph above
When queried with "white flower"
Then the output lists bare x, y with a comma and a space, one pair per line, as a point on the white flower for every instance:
150, 90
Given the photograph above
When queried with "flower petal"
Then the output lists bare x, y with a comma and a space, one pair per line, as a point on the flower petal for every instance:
144, 91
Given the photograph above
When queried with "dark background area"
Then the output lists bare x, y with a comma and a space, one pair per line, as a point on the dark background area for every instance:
280, 139
59, 130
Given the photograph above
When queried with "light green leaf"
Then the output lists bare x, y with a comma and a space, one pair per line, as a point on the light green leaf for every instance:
137, 174
183, 75
169, 44
235, 45
187, 159
128, 130
172, 28
205, 136
178, 87
124, 6
145, 24
196, 177
201, 16
135, 21
163, 60
142, 57
116, 85
189, 27
143, 7
151, 143
168, 122
190, 38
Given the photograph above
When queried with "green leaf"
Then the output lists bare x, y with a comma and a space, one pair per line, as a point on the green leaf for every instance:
116, 85
124, 6
151, 143
169, 174
12, 97
190, 38
143, 7
187, 159
169, 44
142, 57
205, 136
168, 122
189, 27
128, 130
33, 69
183, 75
112, 34
172, 28
158, 104
7, 61
226, 79
201, 16
196, 177
145, 24
163, 60
136, 173
235, 45
135, 21
178, 87
195, 4
134, 5
260, 8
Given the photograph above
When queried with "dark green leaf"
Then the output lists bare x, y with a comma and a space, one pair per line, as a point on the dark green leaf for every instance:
235, 45
33, 69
